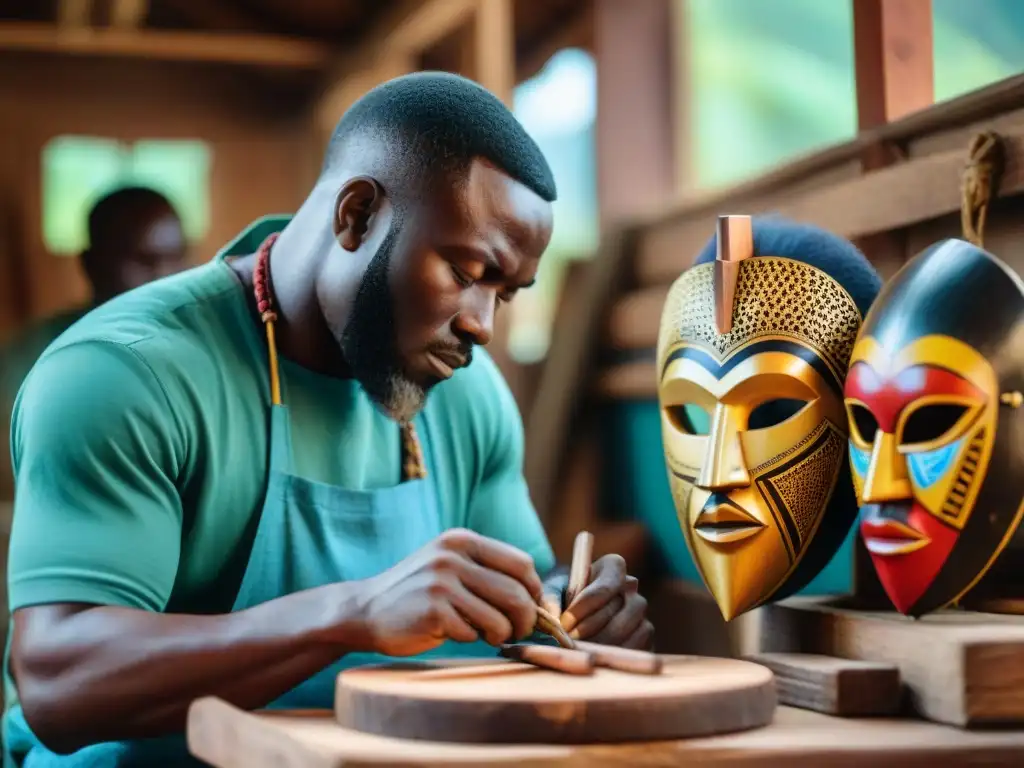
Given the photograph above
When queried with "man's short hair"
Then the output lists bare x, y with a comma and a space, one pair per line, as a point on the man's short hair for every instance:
438, 122
108, 215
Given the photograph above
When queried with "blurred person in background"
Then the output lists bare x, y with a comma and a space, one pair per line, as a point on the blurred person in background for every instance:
135, 236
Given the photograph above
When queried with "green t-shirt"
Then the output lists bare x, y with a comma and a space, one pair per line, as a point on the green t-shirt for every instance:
140, 448
17, 356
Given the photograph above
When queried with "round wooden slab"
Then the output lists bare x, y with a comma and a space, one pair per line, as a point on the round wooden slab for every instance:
502, 702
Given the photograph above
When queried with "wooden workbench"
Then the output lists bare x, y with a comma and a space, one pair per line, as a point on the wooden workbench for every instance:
227, 737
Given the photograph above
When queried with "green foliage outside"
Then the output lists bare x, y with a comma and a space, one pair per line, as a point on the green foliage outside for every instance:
78, 170
774, 78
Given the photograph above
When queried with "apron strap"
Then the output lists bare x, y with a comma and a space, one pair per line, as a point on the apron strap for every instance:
413, 465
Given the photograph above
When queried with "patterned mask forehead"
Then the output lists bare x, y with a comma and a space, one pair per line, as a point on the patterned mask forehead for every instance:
774, 297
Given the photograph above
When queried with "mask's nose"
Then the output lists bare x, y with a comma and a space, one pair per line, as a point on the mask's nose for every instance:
724, 466
887, 478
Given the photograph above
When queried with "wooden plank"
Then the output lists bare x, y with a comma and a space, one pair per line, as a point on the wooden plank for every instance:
891, 198
670, 222
842, 687
573, 345
222, 48
960, 668
226, 737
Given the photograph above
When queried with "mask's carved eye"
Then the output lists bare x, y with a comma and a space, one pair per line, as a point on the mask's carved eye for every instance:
689, 418
931, 422
773, 412
864, 422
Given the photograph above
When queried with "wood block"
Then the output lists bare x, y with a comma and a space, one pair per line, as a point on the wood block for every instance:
961, 668
495, 701
843, 687
226, 737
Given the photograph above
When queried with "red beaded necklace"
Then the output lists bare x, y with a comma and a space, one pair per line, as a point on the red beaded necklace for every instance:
413, 465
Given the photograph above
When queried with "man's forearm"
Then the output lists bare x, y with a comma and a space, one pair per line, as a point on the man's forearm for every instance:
104, 673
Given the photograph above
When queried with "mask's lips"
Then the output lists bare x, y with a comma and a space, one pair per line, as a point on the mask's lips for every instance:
724, 522
884, 534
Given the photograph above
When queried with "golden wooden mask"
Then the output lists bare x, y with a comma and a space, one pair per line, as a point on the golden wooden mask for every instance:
752, 356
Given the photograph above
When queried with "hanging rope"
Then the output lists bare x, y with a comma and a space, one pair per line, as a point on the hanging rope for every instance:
980, 184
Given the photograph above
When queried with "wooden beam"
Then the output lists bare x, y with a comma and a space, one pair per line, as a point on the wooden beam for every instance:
405, 28
980, 105
128, 14
74, 14
254, 50
211, 14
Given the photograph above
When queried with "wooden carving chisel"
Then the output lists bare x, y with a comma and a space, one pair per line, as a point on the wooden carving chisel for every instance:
559, 659
622, 659
579, 568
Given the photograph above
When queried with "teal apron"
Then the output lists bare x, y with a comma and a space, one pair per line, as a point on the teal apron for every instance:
310, 534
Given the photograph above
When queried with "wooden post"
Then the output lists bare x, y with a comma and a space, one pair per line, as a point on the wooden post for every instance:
894, 66
893, 59
635, 131
493, 46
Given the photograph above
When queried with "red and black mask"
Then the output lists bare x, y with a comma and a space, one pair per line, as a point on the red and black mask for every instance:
936, 429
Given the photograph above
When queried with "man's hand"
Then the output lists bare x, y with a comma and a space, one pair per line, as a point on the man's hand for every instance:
609, 610
459, 587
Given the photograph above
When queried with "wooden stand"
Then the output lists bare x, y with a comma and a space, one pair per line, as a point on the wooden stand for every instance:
960, 668
226, 737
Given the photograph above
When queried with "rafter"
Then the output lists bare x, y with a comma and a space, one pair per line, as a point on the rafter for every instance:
407, 27
257, 50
